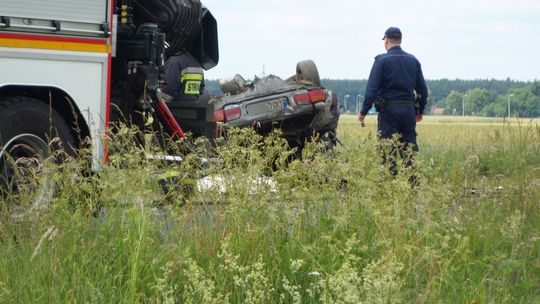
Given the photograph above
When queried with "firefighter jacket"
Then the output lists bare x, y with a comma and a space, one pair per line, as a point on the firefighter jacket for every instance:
184, 78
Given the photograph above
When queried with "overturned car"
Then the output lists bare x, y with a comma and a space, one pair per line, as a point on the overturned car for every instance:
299, 106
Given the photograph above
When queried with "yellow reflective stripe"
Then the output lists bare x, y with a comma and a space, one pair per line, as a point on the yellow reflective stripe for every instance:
54, 45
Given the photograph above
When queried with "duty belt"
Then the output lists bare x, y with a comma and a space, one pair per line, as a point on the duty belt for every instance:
410, 102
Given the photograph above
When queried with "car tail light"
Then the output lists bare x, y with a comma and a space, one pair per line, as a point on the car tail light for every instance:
317, 95
304, 97
229, 113
219, 116
232, 112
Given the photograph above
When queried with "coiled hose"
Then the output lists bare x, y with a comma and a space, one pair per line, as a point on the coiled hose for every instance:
186, 28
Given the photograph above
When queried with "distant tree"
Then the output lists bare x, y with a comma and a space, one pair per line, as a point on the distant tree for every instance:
441, 88
453, 103
477, 99
526, 102
441, 103
342, 87
495, 109
535, 88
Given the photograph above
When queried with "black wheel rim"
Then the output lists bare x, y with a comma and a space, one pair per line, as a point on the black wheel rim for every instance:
21, 156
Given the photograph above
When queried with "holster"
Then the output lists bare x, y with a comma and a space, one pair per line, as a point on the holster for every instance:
380, 103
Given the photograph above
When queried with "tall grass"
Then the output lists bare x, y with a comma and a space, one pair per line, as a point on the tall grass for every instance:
327, 228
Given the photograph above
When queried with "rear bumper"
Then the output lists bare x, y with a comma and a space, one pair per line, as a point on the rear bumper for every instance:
302, 122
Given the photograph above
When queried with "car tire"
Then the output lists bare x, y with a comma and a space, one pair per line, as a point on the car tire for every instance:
307, 70
232, 86
26, 126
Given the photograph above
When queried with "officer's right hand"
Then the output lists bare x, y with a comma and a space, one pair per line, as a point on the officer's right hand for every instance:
419, 117
361, 119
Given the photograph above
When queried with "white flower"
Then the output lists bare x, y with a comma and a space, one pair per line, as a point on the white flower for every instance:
296, 265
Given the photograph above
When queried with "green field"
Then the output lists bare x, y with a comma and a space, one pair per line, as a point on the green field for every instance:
331, 228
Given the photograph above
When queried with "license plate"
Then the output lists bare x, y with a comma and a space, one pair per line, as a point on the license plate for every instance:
276, 105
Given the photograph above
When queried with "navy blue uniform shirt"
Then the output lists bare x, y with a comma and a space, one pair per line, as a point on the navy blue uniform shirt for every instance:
395, 75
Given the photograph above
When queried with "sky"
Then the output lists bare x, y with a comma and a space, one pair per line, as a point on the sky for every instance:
453, 39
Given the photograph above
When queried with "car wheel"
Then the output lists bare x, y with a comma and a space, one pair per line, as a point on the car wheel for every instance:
26, 126
232, 86
307, 70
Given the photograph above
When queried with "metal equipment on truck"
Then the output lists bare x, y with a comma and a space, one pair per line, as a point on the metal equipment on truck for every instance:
68, 69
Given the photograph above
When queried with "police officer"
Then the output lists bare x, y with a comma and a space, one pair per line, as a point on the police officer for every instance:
184, 78
397, 87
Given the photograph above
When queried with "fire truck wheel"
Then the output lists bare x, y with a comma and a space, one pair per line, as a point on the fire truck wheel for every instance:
30, 132
307, 70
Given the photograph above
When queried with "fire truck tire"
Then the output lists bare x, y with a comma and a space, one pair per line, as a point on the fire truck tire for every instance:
307, 70
29, 131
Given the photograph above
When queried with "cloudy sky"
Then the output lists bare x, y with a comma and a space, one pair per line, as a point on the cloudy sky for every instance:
466, 39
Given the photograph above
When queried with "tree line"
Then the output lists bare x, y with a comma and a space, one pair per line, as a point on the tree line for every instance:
482, 97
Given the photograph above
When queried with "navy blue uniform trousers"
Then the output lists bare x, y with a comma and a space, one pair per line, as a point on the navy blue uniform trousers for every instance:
399, 119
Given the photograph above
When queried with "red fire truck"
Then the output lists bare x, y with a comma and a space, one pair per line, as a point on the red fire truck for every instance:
66, 64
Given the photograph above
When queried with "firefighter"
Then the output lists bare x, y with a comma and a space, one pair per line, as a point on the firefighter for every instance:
397, 87
184, 79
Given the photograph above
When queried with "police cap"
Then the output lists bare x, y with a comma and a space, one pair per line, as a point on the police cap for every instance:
392, 33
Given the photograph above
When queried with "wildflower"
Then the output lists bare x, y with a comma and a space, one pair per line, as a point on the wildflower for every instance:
259, 289
344, 285
199, 288
163, 287
292, 290
296, 265
381, 282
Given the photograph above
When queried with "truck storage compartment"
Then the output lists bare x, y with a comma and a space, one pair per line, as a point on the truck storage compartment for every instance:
69, 17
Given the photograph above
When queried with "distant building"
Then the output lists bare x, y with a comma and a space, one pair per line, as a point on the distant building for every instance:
437, 111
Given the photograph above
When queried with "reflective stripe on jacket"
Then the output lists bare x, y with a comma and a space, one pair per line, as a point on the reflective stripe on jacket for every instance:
184, 77
191, 80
